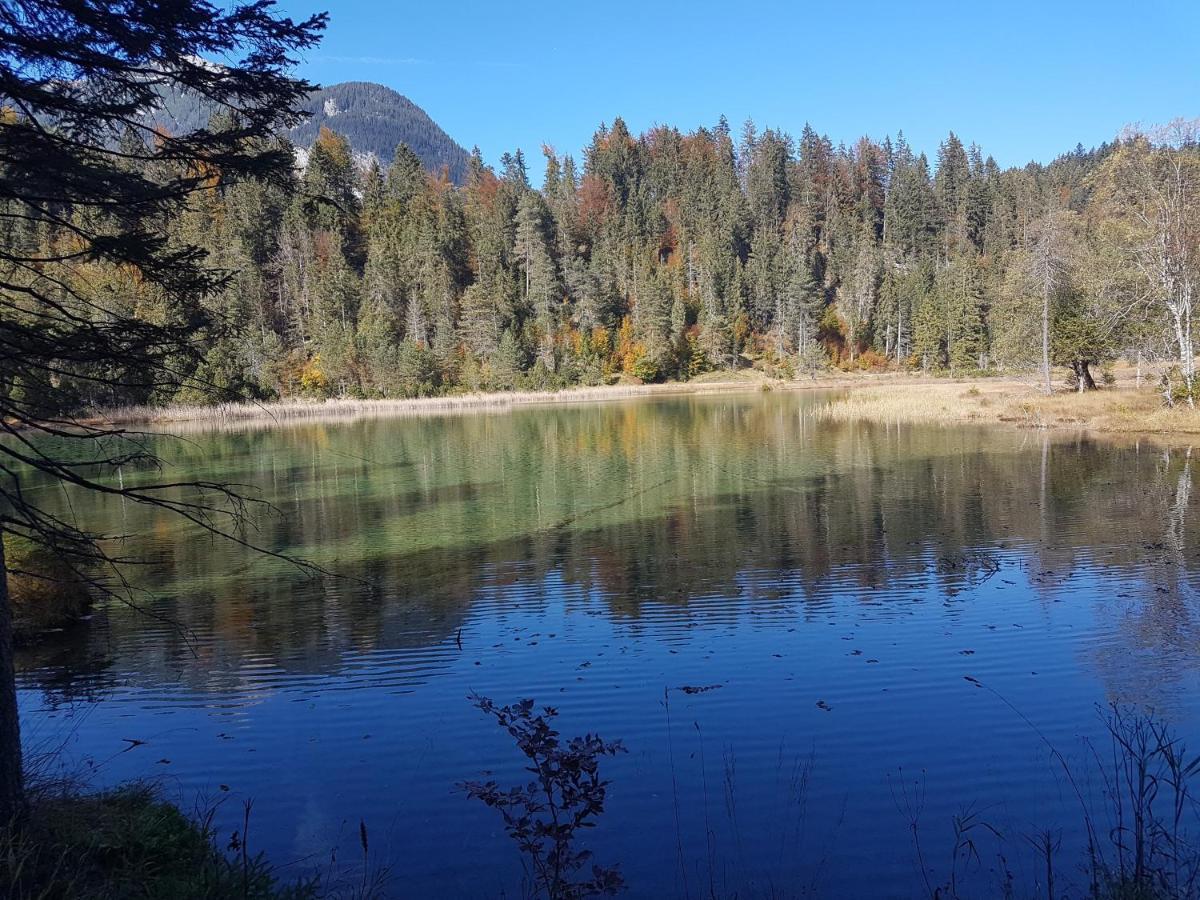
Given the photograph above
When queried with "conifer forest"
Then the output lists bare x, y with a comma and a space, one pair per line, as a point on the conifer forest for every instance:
666, 255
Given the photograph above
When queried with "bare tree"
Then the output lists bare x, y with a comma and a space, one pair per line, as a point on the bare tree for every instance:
1153, 184
1048, 269
856, 300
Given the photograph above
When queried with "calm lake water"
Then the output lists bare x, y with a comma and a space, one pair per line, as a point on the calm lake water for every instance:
836, 583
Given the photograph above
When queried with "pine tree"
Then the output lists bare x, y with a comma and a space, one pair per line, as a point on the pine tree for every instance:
951, 185
541, 291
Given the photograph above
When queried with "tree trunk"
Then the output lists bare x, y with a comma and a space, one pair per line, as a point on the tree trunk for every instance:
1182, 315
1083, 376
12, 780
1189, 353
1046, 339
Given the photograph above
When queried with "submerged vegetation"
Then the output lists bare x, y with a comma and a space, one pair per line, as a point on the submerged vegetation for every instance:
45, 595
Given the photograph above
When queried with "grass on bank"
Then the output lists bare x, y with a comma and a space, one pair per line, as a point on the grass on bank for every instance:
298, 410
895, 397
126, 843
1112, 409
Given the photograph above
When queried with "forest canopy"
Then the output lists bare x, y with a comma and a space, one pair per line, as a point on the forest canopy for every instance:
670, 254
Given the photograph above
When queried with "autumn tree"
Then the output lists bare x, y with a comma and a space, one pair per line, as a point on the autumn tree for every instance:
1153, 194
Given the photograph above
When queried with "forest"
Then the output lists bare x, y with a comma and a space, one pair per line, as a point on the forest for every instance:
662, 257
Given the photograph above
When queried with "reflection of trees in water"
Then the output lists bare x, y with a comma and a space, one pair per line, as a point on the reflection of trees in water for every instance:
656, 503
1150, 657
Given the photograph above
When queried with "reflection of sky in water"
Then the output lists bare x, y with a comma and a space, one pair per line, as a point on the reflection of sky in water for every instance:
592, 557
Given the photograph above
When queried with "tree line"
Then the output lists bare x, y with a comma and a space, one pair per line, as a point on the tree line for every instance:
665, 256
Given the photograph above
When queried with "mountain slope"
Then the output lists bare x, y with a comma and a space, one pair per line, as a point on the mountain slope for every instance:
375, 119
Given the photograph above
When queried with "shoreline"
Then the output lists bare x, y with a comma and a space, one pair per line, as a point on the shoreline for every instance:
297, 411
888, 397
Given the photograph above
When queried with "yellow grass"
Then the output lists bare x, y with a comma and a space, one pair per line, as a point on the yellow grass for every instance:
1120, 410
308, 411
886, 397
296, 411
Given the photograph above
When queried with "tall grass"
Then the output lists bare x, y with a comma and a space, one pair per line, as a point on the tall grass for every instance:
308, 411
1114, 410
269, 413
129, 843
1141, 840
284, 411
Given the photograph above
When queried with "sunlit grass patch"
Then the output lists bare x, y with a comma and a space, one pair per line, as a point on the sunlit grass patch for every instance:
1115, 410
918, 403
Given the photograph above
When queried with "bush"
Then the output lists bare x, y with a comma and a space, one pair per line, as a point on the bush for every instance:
644, 369
566, 795
540, 378
1174, 388
312, 378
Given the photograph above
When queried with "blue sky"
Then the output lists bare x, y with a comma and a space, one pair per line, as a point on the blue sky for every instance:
1023, 80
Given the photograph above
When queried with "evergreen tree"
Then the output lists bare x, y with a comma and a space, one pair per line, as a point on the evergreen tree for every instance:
533, 248
89, 224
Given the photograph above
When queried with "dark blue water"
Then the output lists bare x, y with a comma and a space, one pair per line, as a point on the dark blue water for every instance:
837, 584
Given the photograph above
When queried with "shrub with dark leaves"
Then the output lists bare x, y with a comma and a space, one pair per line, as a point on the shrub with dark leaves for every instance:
566, 795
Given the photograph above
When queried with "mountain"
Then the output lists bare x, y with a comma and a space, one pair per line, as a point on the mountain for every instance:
375, 119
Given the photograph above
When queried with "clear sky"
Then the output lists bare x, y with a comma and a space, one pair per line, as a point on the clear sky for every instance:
1025, 80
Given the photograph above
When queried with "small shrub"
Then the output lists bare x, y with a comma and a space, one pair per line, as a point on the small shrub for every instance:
697, 360
812, 361
312, 378
566, 795
870, 360
1175, 390
645, 369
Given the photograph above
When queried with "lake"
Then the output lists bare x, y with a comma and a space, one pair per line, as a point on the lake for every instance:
835, 585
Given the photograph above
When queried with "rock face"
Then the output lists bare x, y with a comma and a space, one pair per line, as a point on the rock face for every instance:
375, 119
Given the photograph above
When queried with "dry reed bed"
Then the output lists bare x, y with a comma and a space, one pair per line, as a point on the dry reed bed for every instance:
895, 398
281, 412
1115, 410
311, 411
